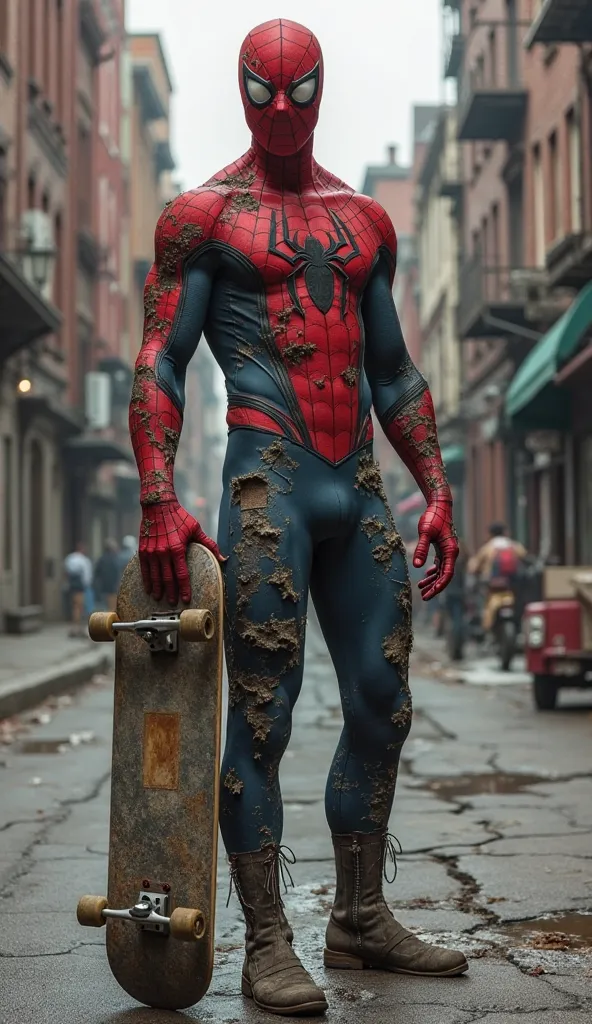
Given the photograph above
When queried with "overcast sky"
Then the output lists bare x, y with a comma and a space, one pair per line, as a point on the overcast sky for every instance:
381, 56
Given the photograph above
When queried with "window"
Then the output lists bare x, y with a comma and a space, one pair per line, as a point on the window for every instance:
59, 262
516, 220
555, 189
4, 8
495, 235
492, 59
84, 176
538, 207
574, 172
512, 44
32, 42
46, 51
2, 198
7, 479
494, 255
485, 241
60, 104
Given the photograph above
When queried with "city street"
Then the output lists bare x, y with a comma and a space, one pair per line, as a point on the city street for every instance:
493, 813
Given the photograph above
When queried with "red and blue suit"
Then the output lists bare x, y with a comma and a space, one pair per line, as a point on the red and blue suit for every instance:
288, 274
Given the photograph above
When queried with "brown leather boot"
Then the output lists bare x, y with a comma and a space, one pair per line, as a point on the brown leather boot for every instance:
272, 973
362, 932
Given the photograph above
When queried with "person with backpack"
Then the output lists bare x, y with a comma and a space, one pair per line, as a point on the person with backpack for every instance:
498, 565
78, 571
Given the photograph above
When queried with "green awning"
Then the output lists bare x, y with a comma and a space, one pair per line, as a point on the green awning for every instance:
453, 453
532, 395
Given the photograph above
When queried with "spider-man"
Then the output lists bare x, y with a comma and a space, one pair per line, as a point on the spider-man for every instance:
288, 273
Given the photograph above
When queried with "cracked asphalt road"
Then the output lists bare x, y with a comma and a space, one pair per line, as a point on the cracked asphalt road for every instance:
494, 813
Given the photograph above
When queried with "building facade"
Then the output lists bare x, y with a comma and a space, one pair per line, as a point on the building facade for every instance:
50, 260
100, 372
523, 116
548, 403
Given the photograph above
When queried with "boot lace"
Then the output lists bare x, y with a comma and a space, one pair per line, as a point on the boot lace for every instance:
280, 857
392, 850
278, 867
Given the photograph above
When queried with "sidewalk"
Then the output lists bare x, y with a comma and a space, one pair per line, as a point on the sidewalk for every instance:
38, 665
478, 667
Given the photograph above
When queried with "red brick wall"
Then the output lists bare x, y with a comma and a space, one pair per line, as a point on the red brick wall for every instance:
552, 79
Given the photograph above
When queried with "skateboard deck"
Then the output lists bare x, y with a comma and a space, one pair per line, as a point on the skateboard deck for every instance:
164, 790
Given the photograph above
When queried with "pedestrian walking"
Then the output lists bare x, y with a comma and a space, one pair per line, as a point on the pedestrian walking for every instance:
78, 572
107, 576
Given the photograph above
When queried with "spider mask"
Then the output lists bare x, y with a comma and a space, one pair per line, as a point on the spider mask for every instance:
281, 81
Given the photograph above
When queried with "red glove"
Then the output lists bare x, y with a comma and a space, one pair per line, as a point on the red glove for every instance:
166, 531
413, 435
436, 527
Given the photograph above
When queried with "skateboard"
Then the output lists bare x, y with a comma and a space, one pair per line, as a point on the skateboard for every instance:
160, 906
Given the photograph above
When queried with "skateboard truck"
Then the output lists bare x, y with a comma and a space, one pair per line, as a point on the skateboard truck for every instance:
161, 631
150, 913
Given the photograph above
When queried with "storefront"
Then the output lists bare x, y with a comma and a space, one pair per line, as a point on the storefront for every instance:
549, 409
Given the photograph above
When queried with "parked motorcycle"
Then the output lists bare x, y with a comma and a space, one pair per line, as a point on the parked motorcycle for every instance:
504, 626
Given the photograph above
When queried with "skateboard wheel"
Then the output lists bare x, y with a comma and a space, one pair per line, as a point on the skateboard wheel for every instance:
90, 911
100, 626
187, 925
196, 624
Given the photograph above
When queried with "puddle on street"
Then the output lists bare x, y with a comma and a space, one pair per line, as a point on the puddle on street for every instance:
553, 933
49, 746
486, 782
44, 746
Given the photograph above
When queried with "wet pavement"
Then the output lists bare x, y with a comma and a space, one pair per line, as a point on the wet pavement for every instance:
494, 813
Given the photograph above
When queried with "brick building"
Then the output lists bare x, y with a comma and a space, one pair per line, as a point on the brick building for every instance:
99, 460
523, 114
50, 261
548, 403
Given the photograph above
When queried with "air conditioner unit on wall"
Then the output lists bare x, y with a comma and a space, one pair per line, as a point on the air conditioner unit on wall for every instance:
97, 400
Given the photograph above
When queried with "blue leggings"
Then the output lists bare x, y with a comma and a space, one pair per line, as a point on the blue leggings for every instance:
290, 522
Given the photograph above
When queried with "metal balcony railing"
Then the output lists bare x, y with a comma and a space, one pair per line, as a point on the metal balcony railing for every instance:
493, 299
453, 55
492, 95
26, 290
562, 21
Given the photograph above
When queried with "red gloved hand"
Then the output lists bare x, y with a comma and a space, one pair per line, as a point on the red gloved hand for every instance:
436, 527
167, 528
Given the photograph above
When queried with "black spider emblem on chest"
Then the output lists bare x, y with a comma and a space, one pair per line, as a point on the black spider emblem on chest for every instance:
320, 266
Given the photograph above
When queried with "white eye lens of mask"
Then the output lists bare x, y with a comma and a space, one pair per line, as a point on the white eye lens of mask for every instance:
304, 92
258, 92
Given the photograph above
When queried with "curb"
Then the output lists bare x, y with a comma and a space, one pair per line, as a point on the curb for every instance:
32, 688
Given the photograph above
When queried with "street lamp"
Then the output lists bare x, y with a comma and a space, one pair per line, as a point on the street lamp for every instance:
41, 263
